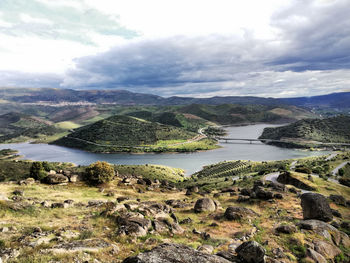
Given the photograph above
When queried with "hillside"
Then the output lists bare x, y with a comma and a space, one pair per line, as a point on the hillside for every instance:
335, 129
152, 212
19, 126
125, 133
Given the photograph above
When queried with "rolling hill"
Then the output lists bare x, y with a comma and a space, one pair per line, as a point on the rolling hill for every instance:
123, 133
335, 129
14, 125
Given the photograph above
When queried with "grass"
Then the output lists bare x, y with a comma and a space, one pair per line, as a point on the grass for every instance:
67, 125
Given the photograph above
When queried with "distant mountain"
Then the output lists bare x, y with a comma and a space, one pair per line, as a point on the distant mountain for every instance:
123, 97
335, 129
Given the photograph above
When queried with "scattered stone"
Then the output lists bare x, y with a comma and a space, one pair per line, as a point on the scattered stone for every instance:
205, 205
45, 204
278, 196
174, 253
317, 257
315, 206
338, 199
251, 252
286, 229
243, 199
336, 213
237, 213
59, 205
55, 179
186, 221
206, 249
28, 181
18, 192
287, 178
121, 199
329, 251
133, 226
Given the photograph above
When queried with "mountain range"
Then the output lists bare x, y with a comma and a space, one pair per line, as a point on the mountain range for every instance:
122, 97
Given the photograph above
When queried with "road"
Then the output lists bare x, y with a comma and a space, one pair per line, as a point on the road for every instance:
336, 169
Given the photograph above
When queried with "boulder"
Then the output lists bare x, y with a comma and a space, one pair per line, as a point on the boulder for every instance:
205, 205
237, 213
206, 249
288, 178
133, 226
174, 253
315, 206
55, 179
315, 256
328, 250
251, 252
327, 231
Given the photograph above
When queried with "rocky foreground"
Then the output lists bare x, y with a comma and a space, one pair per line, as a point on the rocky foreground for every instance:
137, 220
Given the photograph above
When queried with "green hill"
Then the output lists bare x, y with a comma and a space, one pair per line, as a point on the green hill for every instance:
125, 133
335, 129
19, 126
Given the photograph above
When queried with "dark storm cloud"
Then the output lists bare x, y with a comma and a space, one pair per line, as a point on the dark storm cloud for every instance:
315, 35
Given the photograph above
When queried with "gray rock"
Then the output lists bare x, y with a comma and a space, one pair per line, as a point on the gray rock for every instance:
317, 257
206, 249
315, 206
237, 213
328, 250
133, 226
205, 205
251, 252
56, 179
286, 229
174, 253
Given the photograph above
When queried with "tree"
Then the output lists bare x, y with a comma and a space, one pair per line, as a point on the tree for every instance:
99, 172
37, 171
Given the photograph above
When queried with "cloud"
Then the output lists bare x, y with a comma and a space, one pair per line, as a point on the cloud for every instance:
315, 35
29, 80
67, 21
308, 55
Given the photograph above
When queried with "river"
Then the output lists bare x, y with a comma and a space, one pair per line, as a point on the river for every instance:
190, 162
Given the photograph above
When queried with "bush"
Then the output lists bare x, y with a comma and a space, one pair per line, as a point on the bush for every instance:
37, 171
48, 166
99, 173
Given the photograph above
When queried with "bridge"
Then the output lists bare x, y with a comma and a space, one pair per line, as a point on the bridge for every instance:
226, 139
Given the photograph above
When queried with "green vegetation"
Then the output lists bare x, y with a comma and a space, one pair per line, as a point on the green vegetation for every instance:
99, 173
37, 171
330, 130
124, 133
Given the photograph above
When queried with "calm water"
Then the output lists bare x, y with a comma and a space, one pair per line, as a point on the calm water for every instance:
191, 162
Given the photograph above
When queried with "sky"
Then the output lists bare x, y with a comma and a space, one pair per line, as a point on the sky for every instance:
197, 48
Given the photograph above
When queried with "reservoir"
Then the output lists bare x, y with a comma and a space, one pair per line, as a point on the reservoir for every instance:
190, 162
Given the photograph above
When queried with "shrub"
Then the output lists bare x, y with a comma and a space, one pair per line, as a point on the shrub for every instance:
37, 171
48, 166
99, 173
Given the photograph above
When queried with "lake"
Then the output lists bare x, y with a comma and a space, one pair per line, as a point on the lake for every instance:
190, 162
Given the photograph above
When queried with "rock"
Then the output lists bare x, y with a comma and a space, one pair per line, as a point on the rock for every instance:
243, 199
327, 231
18, 192
237, 213
186, 221
133, 226
287, 178
3, 198
59, 205
28, 181
315, 206
317, 257
278, 196
45, 204
336, 213
329, 251
55, 179
338, 199
260, 193
205, 205
95, 203
4, 229
206, 249
177, 229
122, 199
74, 178
227, 255
286, 229
251, 252
174, 253
246, 192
